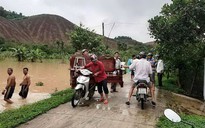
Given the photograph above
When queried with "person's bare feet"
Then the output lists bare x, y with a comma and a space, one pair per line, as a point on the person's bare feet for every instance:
105, 101
101, 100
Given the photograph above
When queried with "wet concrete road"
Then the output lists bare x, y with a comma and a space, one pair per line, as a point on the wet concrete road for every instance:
114, 115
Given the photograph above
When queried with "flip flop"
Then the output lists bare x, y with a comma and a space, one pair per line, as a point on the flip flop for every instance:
101, 100
127, 103
106, 102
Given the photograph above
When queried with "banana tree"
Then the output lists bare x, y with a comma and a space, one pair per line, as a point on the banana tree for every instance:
20, 53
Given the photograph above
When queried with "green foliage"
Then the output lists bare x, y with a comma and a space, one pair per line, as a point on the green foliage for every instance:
83, 38
12, 118
128, 47
39, 84
197, 121
179, 31
10, 15
170, 84
34, 53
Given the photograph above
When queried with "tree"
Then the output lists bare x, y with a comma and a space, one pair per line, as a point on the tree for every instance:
180, 34
35, 54
20, 53
85, 39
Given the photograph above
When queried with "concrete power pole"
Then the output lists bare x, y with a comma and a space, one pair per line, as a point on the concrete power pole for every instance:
204, 78
103, 29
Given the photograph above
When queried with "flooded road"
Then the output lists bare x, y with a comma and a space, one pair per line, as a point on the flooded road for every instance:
53, 74
116, 114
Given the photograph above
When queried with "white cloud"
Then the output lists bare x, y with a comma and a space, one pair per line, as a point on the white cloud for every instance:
130, 16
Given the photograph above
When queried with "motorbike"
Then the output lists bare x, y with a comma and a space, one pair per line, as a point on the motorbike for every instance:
83, 90
142, 92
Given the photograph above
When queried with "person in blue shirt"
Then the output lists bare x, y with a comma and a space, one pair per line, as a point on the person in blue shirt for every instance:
129, 62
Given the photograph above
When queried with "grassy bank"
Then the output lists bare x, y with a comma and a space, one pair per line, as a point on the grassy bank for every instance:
13, 118
170, 85
197, 121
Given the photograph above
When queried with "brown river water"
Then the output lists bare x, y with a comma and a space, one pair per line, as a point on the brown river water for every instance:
54, 75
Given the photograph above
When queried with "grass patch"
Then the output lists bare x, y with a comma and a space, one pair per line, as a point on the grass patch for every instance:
15, 117
197, 121
170, 85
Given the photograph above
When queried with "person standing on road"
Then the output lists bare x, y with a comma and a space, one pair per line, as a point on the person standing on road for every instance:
143, 71
160, 70
25, 84
129, 62
10, 87
153, 64
100, 77
117, 70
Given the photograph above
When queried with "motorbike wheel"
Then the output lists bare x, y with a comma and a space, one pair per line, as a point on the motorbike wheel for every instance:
142, 103
76, 98
91, 91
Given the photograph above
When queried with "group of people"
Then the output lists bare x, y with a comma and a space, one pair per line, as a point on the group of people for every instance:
142, 67
11, 83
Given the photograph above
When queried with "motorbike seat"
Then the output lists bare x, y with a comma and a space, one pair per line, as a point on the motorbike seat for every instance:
142, 81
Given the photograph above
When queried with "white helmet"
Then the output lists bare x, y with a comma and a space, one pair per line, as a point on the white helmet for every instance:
93, 57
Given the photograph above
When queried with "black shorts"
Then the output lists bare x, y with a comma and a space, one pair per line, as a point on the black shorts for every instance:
132, 72
24, 91
9, 92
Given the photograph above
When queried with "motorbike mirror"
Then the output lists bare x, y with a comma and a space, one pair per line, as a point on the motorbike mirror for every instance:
171, 115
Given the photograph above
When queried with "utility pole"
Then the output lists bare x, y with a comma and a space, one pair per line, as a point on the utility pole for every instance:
103, 29
204, 78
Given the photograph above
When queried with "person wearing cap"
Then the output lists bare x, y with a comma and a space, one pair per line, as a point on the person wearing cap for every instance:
85, 52
100, 77
143, 71
153, 64
86, 55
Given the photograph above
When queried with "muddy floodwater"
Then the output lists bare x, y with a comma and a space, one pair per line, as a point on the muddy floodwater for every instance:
52, 73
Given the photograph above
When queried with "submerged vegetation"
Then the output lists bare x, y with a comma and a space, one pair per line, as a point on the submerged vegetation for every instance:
39, 84
12, 118
34, 52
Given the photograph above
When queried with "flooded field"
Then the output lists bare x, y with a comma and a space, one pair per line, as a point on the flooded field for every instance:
52, 73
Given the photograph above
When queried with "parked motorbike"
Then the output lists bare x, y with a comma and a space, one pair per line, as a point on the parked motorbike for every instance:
142, 92
83, 90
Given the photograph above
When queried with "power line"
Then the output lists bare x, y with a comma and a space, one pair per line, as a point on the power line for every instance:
111, 29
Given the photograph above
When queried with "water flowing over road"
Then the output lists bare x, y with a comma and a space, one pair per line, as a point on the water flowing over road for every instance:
116, 114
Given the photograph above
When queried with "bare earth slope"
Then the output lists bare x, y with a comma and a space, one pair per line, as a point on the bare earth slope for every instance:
44, 29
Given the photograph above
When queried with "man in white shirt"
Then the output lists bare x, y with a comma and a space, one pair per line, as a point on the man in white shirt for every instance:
160, 70
117, 70
143, 71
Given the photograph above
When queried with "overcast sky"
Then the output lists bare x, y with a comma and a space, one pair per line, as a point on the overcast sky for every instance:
130, 16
